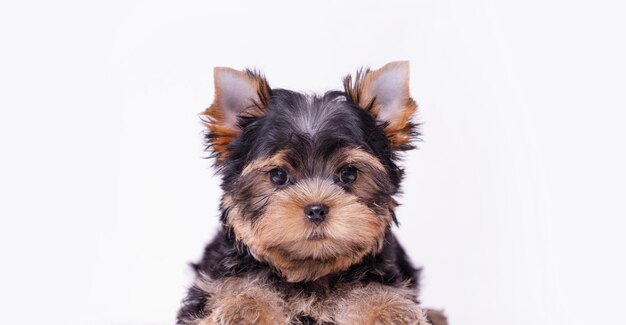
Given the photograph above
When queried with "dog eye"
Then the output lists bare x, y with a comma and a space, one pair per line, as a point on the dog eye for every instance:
278, 176
347, 174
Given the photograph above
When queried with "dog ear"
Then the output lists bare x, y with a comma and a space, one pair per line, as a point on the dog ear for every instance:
238, 94
385, 93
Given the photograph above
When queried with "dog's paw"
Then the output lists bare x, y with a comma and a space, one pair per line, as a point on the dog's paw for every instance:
396, 313
384, 309
436, 317
377, 304
245, 309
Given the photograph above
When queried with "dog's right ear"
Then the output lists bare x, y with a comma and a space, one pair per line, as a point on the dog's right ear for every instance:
237, 94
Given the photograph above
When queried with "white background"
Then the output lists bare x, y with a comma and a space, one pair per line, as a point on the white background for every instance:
514, 203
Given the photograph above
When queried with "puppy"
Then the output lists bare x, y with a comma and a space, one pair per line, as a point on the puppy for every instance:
308, 204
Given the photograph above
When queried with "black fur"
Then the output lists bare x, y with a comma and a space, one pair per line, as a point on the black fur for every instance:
225, 257
339, 123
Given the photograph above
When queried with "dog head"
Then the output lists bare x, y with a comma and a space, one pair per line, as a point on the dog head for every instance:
309, 180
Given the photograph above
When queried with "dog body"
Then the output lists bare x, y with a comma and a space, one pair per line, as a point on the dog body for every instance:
308, 204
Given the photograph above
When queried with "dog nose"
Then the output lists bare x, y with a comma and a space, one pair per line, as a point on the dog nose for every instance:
316, 213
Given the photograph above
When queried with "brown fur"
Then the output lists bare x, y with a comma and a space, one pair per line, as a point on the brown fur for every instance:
242, 301
289, 242
296, 271
399, 131
213, 117
253, 301
436, 317
377, 304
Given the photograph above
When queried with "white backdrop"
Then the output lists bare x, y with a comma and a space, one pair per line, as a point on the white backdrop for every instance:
514, 204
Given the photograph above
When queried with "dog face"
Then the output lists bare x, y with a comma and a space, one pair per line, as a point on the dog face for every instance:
309, 180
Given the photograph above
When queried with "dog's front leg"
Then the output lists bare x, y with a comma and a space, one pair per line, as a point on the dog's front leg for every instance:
377, 304
247, 308
241, 301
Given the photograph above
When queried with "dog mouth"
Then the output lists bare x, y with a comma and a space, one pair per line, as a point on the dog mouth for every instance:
316, 236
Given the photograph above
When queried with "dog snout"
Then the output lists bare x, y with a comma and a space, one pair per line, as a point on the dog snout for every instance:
316, 213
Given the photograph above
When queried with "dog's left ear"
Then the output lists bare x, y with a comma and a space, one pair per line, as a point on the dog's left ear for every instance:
237, 94
385, 93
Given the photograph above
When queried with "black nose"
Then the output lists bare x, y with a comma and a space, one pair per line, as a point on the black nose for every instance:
316, 213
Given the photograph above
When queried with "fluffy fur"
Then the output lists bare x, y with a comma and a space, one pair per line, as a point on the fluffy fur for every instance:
269, 264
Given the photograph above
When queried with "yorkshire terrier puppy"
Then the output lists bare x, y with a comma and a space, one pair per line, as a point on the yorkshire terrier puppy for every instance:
308, 205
